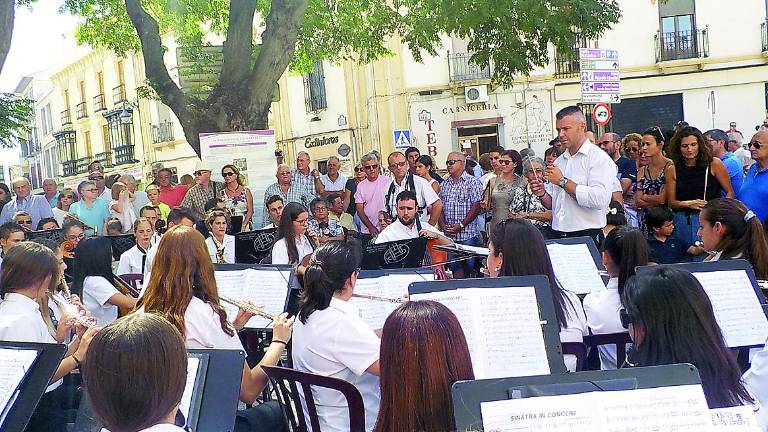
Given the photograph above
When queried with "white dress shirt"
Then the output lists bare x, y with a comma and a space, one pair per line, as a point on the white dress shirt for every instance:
576, 326
333, 186
20, 321
202, 328
96, 293
229, 249
131, 262
151, 252
397, 231
602, 310
336, 343
594, 173
280, 250
425, 195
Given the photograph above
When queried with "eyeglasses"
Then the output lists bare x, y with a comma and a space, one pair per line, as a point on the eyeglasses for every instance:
756, 144
24, 222
302, 221
602, 143
76, 237
68, 196
505, 161
90, 190
625, 318
358, 169
370, 167
450, 162
397, 165
96, 178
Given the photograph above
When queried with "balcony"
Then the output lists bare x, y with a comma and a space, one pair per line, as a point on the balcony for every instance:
764, 35
98, 103
81, 165
66, 119
68, 168
81, 110
461, 69
105, 158
681, 45
162, 132
124, 155
118, 94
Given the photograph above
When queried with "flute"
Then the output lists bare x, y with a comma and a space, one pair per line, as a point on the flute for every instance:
74, 314
248, 308
378, 298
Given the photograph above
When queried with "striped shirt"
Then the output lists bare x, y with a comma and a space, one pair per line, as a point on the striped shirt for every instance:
458, 197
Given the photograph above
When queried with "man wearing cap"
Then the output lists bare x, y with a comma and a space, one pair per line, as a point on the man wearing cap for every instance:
97, 177
204, 191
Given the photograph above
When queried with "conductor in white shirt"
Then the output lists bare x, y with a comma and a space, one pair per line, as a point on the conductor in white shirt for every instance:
408, 226
580, 180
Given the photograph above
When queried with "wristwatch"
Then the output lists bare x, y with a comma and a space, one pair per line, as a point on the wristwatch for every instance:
461, 224
563, 181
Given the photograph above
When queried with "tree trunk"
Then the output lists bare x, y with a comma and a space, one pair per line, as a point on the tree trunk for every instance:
7, 15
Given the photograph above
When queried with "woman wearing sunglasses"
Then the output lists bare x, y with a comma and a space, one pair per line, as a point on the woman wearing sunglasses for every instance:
502, 189
66, 198
236, 196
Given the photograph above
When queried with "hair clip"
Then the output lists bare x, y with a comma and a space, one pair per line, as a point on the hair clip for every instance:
749, 215
612, 211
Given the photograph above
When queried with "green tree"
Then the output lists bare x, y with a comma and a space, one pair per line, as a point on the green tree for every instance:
15, 114
513, 34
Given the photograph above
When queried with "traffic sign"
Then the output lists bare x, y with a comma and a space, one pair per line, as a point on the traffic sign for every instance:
402, 138
599, 75
592, 98
601, 114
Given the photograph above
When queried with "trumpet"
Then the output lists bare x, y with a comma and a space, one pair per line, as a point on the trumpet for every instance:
74, 217
378, 298
248, 307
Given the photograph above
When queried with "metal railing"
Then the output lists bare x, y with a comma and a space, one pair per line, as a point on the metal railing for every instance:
81, 165
81, 110
764, 34
461, 68
118, 94
68, 168
98, 103
65, 117
124, 155
162, 132
105, 158
681, 45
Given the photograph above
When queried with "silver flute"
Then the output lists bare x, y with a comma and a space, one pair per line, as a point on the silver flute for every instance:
378, 298
248, 308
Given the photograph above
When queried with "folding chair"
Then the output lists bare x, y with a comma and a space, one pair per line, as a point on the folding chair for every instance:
619, 340
579, 350
287, 382
133, 279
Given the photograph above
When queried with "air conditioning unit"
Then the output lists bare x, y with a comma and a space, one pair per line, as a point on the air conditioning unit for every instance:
476, 94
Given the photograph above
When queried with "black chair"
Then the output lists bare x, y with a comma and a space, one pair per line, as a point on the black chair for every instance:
579, 350
619, 340
287, 382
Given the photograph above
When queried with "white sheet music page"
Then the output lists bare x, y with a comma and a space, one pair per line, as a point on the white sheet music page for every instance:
268, 288
374, 313
186, 397
567, 413
734, 419
230, 284
14, 364
575, 268
736, 307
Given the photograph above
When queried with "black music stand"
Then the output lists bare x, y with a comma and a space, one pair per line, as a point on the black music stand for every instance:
397, 254
55, 234
120, 244
468, 395
253, 246
215, 398
596, 256
33, 385
550, 327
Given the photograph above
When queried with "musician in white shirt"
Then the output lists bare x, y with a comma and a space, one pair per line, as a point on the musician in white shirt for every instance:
292, 242
407, 226
177, 216
330, 339
134, 259
221, 246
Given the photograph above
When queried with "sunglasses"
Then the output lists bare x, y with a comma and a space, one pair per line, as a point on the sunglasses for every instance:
505, 161
67, 196
626, 320
756, 144
96, 178
450, 162
397, 165
632, 149
358, 169
371, 167
200, 172
24, 222
227, 174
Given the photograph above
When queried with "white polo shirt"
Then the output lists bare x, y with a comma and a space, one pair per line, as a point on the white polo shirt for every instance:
333, 186
96, 293
425, 195
202, 328
229, 248
280, 250
594, 173
397, 231
131, 262
602, 310
336, 343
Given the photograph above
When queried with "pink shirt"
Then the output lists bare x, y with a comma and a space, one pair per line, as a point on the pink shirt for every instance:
173, 195
371, 194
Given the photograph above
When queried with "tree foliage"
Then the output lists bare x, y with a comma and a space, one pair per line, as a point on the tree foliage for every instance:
15, 114
512, 34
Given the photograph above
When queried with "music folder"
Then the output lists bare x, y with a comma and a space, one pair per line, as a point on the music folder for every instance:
253, 246
397, 254
26, 371
577, 264
120, 244
54, 234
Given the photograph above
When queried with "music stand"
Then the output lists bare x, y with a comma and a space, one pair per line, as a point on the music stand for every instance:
292, 294
253, 246
33, 386
121, 244
593, 251
550, 326
397, 254
55, 234
468, 395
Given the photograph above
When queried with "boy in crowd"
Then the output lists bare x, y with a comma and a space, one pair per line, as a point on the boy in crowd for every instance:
666, 248
11, 233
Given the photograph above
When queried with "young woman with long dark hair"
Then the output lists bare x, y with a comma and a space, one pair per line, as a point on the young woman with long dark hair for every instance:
730, 230
423, 352
292, 242
330, 338
670, 320
505, 258
624, 249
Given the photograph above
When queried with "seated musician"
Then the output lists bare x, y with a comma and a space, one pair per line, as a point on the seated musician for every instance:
221, 246
177, 216
134, 259
30, 271
182, 289
275, 207
138, 345
331, 339
93, 280
423, 352
408, 225
293, 241
11, 234
24, 219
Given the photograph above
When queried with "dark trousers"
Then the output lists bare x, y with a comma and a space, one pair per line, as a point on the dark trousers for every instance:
263, 417
594, 234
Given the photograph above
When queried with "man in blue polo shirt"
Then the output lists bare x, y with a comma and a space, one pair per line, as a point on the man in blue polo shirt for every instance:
718, 142
754, 190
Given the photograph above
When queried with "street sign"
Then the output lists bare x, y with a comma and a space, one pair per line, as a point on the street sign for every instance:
402, 138
601, 114
599, 75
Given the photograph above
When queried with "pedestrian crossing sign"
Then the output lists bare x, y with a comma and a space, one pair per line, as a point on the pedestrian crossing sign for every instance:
402, 138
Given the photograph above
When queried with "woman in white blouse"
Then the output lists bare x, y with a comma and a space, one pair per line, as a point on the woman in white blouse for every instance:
134, 259
331, 339
182, 289
517, 248
29, 272
623, 249
221, 246
293, 242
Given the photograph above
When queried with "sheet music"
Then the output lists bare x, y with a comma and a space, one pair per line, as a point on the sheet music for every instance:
474, 249
502, 328
374, 313
575, 267
262, 287
734, 419
678, 408
193, 364
737, 309
14, 364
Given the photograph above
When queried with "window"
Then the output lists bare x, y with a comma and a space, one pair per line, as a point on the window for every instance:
100, 82
567, 62
45, 120
120, 72
88, 145
314, 89
678, 37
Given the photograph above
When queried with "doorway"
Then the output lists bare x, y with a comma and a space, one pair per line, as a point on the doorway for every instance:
481, 138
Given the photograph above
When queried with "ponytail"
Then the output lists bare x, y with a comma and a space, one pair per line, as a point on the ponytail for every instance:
627, 248
744, 235
329, 269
